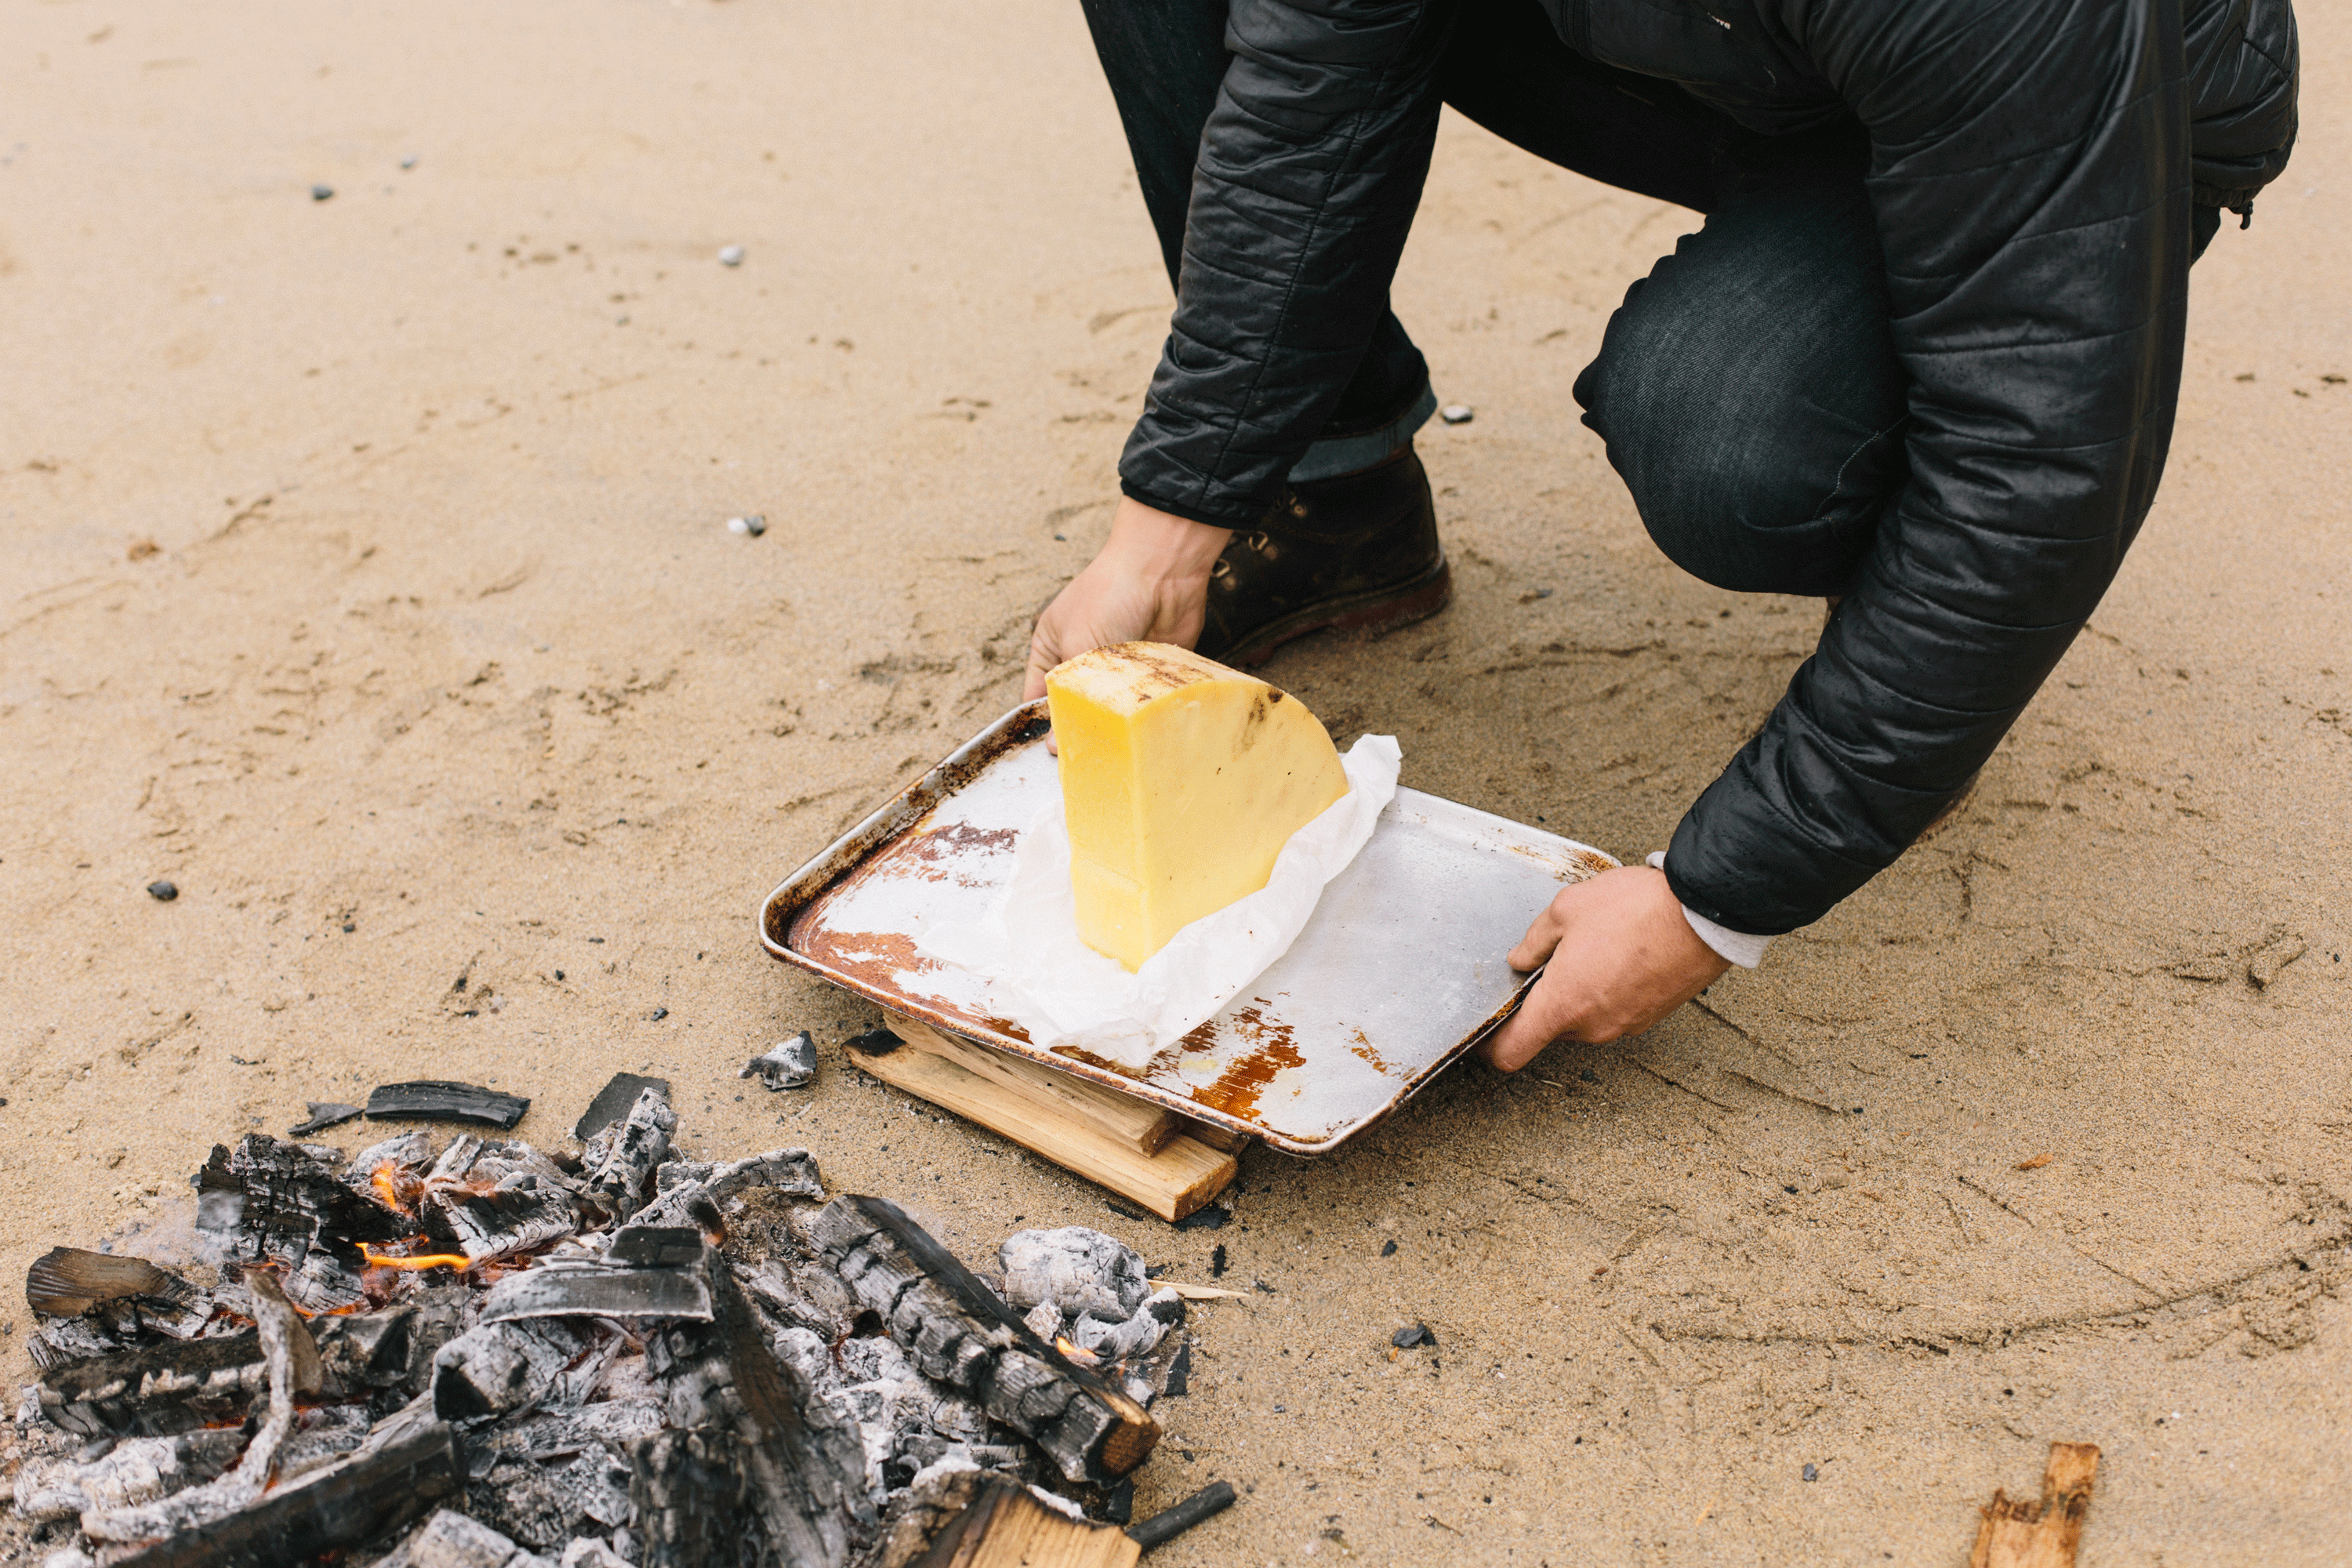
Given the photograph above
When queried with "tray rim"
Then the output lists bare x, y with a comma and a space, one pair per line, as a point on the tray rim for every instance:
812, 880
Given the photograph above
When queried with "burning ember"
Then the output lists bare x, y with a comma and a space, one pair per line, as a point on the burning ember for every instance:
375, 1259
615, 1355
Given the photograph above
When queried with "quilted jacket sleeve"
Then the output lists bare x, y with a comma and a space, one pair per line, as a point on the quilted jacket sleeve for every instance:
2031, 176
1310, 169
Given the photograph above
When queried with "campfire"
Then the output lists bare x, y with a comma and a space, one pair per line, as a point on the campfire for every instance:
434, 1354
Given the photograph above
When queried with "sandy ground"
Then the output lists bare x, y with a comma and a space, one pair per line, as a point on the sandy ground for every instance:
365, 573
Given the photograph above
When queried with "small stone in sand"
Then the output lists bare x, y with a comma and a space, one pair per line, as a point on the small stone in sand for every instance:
163, 892
1457, 414
1812, 1472
755, 525
1419, 1334
320, 193
730, 256
409, 162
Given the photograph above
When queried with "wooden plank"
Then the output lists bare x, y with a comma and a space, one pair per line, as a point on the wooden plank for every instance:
1174, 1183
2016, 1533
1215, 1136
1140, 1124
1006, 1528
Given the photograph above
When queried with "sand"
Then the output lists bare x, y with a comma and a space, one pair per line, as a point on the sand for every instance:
365, 574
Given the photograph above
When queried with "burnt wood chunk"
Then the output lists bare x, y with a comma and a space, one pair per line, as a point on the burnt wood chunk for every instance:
450, 1540
1007, 1528
621, 1159
956, 1329
696, 1504
67, 1281
596, 1290
655, 1245
342, 1505
496, 1367
157, 1390
438, 1100
613, 1102
790, 1172
291, 1201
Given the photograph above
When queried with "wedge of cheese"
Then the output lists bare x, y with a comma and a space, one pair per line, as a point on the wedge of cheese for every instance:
1182, 780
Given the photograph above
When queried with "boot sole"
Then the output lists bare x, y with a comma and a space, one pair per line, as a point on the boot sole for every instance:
1375, 610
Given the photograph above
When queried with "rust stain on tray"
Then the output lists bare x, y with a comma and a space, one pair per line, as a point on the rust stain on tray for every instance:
877, 957
1236, 1090
931, 854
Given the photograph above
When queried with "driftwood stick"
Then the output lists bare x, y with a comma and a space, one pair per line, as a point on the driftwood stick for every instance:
956, 1329
1172, 1522
2017, 1533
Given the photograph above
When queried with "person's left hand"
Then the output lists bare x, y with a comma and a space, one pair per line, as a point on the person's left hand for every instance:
1618, 956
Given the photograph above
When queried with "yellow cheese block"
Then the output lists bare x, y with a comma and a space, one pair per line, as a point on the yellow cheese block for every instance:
1182, 780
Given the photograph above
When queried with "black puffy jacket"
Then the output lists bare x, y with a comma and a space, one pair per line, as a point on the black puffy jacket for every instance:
2033, 167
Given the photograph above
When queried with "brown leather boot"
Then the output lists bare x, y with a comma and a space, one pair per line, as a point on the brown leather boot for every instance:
1358, 553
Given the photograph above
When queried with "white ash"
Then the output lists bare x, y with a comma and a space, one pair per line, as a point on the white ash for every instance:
1136, 1335
789, 1064
1076, 1269
133, 1472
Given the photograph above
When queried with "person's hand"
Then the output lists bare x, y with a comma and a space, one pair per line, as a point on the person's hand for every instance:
1618, 957
1148, 584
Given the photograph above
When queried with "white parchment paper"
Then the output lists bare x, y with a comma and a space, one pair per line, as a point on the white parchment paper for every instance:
1045, 978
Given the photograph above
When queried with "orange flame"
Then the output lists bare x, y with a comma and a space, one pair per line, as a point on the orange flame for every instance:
1072, 1353
385, 1180
375, 1259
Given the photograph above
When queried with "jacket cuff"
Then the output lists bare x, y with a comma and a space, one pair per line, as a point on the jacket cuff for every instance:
1192, 511
1731, 946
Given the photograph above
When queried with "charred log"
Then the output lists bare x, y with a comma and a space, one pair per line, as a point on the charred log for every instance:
597, 1291
291, 1202
621, 1159
157, 1390
957, 1331
373, 1492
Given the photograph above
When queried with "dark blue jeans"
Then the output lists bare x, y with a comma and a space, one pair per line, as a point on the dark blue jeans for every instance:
1748, 389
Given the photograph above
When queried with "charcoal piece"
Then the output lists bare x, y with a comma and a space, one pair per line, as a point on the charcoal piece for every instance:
934, 1500
438, 1100
1418, 1334
1134, 1336
67, 1281
1170, 1522
451, 1540
156, 1389
696, 1502
642, 1245
404, 1154
497, 1367
791, 1064
790, 1172
529, 1502
361, 1350
321, 1283
596, 1290
322, 1437
506, 1220
132, 1471
960, 1333
613, 1101
621, 1171
612, 1423
292, 1203
65, 1341
1073, 1270
324, 1113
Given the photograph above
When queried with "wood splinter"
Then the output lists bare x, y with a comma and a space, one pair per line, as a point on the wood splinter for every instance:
2017, 1533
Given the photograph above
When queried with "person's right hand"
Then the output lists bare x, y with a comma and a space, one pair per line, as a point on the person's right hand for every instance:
1148, 584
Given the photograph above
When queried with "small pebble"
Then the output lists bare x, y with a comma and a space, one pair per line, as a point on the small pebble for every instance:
409, 162
163, 892
730, 256
1388, 1249
1457, 414
659, 1014
1812, 1473
320, 193
1419, 1334
755, 525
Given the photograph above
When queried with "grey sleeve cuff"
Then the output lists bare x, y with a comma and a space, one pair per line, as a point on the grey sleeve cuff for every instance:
1732, 946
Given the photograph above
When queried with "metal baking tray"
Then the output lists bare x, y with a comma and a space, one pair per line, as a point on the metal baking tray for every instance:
1399, 972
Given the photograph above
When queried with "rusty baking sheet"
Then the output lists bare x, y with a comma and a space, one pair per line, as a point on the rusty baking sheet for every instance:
1399, 971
